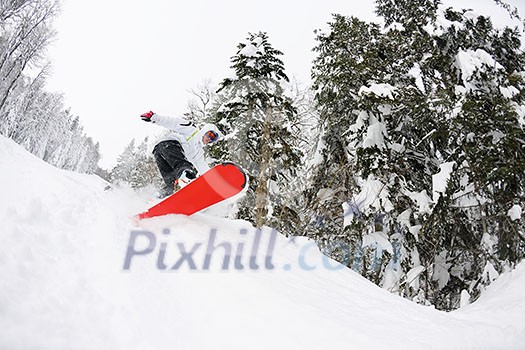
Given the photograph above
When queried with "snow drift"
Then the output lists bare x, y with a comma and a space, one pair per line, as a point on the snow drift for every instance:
65, 284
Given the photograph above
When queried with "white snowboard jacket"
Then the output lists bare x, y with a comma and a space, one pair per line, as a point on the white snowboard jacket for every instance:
189, 137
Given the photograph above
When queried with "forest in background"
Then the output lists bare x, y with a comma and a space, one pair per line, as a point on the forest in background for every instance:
29, 114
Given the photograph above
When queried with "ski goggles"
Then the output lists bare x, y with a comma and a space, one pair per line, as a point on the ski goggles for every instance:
210, 137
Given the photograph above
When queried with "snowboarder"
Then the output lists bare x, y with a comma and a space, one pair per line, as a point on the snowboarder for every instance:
180, 155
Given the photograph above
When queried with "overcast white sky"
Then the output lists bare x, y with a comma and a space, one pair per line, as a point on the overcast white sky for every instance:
115, 59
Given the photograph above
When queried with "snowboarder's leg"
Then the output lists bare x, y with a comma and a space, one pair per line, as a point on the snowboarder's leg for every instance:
171, 161
166, 171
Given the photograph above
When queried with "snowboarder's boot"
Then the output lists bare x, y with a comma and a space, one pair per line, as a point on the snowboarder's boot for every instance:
185, 178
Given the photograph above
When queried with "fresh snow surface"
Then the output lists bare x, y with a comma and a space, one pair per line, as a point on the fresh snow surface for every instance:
64, 286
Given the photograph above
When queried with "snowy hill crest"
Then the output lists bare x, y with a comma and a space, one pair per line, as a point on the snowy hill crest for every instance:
65, 283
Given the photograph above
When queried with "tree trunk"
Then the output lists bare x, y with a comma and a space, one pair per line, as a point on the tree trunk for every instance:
261, 193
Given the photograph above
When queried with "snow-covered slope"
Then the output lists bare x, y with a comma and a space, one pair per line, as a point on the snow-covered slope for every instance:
64, 285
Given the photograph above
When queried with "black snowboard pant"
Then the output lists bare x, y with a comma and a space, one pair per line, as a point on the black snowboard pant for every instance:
171, 161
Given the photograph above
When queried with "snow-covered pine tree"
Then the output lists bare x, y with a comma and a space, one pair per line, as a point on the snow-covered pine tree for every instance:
259, 120
470, 220
342, 67
145, 172
91, 157
400, 106
136, 167
125, 165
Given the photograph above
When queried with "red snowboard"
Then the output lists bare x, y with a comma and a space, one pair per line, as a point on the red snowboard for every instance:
217, 184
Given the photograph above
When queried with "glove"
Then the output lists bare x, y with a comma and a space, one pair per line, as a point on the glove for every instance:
147, 116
